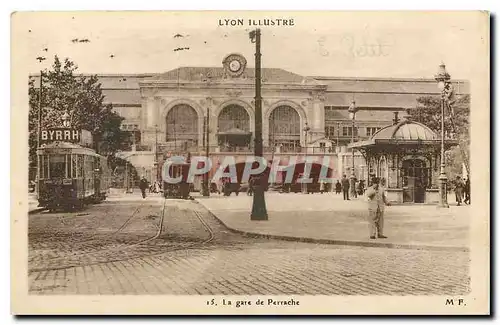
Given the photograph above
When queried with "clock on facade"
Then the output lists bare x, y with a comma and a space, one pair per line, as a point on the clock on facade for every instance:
234, 64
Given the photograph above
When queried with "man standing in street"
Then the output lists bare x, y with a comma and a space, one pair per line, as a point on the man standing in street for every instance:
250, 186
467, 191
345, 187
354, 182
459, 188
376, 204
143, 185
321, 186
338, 187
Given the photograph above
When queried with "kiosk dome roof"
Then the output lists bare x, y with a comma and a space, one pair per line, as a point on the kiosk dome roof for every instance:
406, 130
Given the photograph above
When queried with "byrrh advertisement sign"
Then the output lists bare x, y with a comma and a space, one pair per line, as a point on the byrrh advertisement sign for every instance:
60, 134
78, 136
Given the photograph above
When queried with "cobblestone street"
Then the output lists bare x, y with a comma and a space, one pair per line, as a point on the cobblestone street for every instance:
126, 247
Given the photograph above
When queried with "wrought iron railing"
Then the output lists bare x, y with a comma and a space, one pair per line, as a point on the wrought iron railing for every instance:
195, 149
201, 150
235, 149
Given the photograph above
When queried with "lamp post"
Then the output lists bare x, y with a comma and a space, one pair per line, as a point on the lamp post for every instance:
175, 136
40, 101
259, 211
206, 185
157, 169
443, 79
306, 131
127, 185
338, 135
352, 115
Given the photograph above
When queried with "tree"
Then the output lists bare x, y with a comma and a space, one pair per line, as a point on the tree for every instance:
456, 125
82, 98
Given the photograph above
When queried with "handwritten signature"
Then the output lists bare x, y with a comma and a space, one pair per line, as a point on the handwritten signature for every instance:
355, 47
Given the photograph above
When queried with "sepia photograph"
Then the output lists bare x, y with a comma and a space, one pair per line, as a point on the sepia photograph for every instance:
231, 162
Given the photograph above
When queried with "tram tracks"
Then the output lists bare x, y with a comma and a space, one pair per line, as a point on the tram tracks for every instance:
149, 246
89, 245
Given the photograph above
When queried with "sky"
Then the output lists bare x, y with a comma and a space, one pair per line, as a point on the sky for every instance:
361, 44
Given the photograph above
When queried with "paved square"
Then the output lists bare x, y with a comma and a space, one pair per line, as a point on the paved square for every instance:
101, 250
328, 216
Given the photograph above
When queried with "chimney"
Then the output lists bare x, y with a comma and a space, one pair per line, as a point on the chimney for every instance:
395, 120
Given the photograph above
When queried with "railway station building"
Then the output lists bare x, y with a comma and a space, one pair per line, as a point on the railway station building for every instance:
302, 116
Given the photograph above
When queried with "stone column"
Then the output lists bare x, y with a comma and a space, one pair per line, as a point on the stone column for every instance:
318, 118
156, 112
213, 123
149, 112
142, 118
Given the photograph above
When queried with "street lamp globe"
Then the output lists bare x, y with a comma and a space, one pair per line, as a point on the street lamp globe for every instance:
65, 119
352, 110
442, 76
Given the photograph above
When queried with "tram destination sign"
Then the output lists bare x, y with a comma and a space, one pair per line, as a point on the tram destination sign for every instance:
65, 135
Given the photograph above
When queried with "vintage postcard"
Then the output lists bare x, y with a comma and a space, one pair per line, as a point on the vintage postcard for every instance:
273, 163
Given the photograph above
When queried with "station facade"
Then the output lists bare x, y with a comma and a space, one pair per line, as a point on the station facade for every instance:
181, 109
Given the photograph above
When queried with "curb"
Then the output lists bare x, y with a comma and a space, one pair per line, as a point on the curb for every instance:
36, 210
337, 242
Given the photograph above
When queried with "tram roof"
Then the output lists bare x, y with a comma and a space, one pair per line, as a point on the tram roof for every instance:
66, 146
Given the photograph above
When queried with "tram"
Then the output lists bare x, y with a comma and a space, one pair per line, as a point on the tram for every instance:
179, 190
70, 175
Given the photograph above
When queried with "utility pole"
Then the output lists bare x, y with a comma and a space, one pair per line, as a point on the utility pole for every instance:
352, 115
273, 144
156, 153
126, 177
40, 103
338, 133
259, 211
273, 148
175, 138
206, 185
39, 132
203, 132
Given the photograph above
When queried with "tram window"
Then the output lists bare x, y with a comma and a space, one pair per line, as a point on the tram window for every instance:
46, 166
74, 164
68, 166
42, 167
85, 166
88, 166
80, 166
57, 165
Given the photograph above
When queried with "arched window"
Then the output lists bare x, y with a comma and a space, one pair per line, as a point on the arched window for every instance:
234, 117
182, 124
233, 128
284, 128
